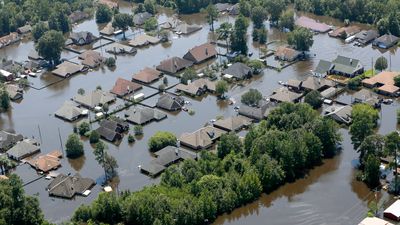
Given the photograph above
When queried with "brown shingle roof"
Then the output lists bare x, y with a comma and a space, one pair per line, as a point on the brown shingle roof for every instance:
174, 65
201, 53
147, 75
123, 87
233, 123
202, 138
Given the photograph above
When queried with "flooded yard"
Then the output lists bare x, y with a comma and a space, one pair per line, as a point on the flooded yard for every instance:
328, 195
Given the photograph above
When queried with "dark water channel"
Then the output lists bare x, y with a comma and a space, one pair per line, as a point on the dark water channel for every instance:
325, 196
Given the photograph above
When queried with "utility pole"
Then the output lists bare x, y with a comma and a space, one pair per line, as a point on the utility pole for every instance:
40, 135
61, 144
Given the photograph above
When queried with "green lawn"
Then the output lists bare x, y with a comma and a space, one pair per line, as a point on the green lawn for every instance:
369, 73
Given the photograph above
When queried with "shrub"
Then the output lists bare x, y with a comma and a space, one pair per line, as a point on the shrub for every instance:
160, 140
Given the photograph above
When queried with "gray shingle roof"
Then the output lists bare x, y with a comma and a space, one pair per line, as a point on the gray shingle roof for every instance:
69, 111
67, 186
22, 150
7, 140
170, 102
142, 115
94, 98
238, 70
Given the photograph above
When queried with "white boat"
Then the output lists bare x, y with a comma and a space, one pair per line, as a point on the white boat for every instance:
350, 39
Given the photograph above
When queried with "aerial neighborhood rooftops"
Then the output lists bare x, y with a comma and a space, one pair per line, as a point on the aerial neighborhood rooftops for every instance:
47, 162
285, 95
142, 115
342, 65
366, 36
286, 54
223, 7
123, 87
342, 114
384, 81
147, 75
70, 112
9, 39
186, 29
174, 65
23, 149
117, 49
91, 58
143, 39
197, 87
317, 84
201, 53
234, 123
67, 69
258, 112
368, 97
8, 140
65, 186
94, 98
203, 138
81, 38
170, 102
312, 24
344, 32
386, 41
238, 70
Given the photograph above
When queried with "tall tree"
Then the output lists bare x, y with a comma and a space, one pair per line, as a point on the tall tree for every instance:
258, 16
122, 21
103, 14
74, 146
239, 35
224, 32
301, 39
50, 46
212, 15
59, 21
392, 146
286, 20
364, 120
274, 8
4, 98
381, 63
221, 87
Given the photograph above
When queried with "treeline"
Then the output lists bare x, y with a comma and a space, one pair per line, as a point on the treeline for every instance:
282, 148
17, 13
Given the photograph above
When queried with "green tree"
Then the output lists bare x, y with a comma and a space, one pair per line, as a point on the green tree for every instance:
150, 24
160, 140
354, 83
83, 128
275, 9
224, 32
221, 87
255, 65
262, 35
103, 14
258, 15
212, 15
301, 39
286, 20
4, 98
150, 6
397, 80
364, 120
122, 21
189, 75
110, 62
39, 29
270, 172
372, 145
244, 8
94, 137
105, 160
228, 143
381, 63
50, 46
107, 208
138, 130
58, 21
74, 146
252, 97
139, 8
392, 146
314, 99
81, 91
239, 35
371, 171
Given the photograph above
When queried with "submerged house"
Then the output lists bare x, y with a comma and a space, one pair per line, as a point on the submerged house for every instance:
95, 98
142, 115
143, 40
23, 149
344, 32
119, 49
367, 97
201, 53
238, 71
342, 65
46, 163
91, 59
77, 16
8, 140
9, 39
147, 75
124, 87
312, 25
24, 29
197, 87
385, 41
81, 38
366, 36
65, 186
316, 84
286, 54
140, 18
341, 114
67, 69
258, 112
14, 92
174, 65
285, 95
234, 123
384, 82
70, 112
203, 138
170, 102
186, 29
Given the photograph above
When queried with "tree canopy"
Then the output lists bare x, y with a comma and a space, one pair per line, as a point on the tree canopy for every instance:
74, 146
252, 97
301, 39
381, 63
50, 46
160, 140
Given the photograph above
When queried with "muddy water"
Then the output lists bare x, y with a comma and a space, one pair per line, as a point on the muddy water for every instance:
324, 195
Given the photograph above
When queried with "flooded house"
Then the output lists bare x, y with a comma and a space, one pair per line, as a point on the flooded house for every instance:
201, 53
385, 41
46, 163
123, 87
65, 186
174, 65
285, 95
366, 36
367, 97
197, 87
259, 112
316, 84
234, 10
108, 134
78, 16
294, 85
171, 23
186, 29
342, 65
67, 69
117, 125
24, 29
34, 55
23, 149
202, 138
120, 49
344, 32
9, 39
339, 113
234, 123
286, 54
108, 30
95, 98
384, 83
147, 75
237, 71
143, 40
69, 111
140, 18
312, 24
142, 115
91, 59
8, 140
170, 102
81, 38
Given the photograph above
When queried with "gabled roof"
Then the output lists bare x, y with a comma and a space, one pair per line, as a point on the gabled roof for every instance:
117, 48
323, 67
91, 58
233, 123
202, 138
23, 149
115, 125
147, 75
170, 102
143, 39
68, 186
110, 3
108, 134
69, 111
123, 87
33, 54
316, 83
312, 24
108, 29
9, 39
201, 53
346, 65
349, 31
366, 36
174, 65
67, 69
194, 87
257, 113
284, 95
94, 98
238, 70
141, 115
341, 114
186, 29
286, 53
46, 162
386, 40
7, 140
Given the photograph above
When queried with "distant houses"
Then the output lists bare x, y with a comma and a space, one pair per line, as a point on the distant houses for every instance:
9, 39
95, 98
147, 75
385, 41
342, 65
170, 102
143, 40
186, 29
344, 32
123, 87
366, 36
202, 138
70, 112
23, 149
81, 38
197, 87
286, 54
238, 71
142, 115
8, 140
77, 16
67, 69
384, 83
112, 4
201, 53
24, 29
65, 186
174, 65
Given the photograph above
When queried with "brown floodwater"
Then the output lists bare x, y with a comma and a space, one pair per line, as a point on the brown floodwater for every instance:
328, 195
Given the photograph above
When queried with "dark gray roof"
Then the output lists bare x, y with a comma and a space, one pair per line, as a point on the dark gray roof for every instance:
142, 115
316, 83
170, 102
323, 67
341, 114
238, 70
174, 65
346, 65
152, 168
366, 36
69, 111
23, 149
387, 40
67, 186
7, 140
257, 113
108, 134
